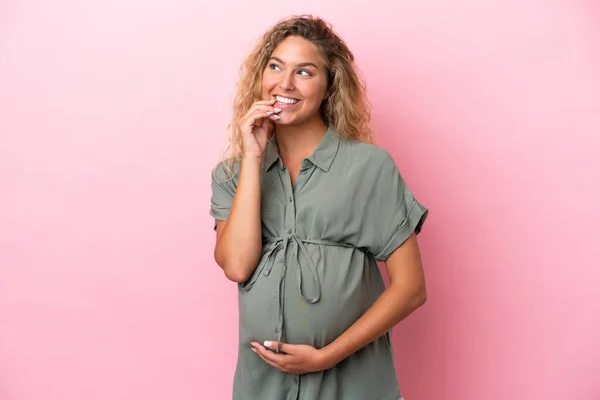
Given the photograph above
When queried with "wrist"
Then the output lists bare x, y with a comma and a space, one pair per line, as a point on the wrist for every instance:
251, 159
329, 356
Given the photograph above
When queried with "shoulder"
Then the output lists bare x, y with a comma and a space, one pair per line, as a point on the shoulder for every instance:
226, 172
357, 152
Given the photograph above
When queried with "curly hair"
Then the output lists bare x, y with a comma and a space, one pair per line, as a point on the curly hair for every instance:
347, 109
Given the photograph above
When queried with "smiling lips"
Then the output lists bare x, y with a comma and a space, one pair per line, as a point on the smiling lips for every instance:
286, 102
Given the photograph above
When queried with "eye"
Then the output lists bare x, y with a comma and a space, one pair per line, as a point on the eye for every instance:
274, 67
304, 72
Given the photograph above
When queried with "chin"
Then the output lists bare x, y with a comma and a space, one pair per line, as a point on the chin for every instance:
287, 123
284, 121
292, 121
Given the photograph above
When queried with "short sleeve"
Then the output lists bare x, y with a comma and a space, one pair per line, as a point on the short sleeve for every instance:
393, 213
223, 189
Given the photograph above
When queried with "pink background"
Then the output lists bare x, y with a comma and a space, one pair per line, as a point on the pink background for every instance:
112, 115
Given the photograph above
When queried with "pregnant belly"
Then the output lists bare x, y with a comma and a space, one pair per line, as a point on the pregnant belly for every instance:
348, 287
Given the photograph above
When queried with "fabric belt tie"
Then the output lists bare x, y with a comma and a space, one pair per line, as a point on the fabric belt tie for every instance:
290, 243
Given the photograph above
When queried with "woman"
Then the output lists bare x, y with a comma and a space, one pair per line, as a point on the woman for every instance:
302, 213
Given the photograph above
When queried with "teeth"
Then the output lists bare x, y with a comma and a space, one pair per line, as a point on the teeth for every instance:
285, 100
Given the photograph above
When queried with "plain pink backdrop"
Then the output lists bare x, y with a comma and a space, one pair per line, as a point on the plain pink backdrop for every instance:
112, 115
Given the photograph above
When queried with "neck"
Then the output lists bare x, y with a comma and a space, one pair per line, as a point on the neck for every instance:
296, 142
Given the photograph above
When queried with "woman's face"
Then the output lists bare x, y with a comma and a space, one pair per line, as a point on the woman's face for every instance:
296, 77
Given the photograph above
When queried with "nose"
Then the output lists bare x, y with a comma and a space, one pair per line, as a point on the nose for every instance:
287, 82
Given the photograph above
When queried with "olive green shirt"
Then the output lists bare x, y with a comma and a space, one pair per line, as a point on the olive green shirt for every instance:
317, 275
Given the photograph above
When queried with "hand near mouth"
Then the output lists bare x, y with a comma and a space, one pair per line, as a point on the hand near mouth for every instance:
256, 126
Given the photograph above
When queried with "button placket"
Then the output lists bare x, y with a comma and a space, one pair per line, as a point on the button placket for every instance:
289, 229
290, 215
296, 390
306, 167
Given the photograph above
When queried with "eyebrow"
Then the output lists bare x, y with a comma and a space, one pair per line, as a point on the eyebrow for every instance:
304, 64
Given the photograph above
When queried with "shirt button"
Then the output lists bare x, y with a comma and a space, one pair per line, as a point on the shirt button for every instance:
290, 231
303, 172
275, 294
295, 379
290, 199
281, 261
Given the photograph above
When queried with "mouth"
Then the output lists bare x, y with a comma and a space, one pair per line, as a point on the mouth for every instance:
286, 101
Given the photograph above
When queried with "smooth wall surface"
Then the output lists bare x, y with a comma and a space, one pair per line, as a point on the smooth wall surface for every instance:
112, 115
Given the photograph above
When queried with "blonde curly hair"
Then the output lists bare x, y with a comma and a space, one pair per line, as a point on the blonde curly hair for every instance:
347, 109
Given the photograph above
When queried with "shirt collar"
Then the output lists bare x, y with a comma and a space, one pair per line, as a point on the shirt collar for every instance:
322, 157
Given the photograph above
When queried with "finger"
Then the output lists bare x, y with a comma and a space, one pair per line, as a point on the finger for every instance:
255, 109
270, 101
279, 359
270, 111
267, 125
262, 354
265, 121
269, 362
251, 120
283, 347
266, 107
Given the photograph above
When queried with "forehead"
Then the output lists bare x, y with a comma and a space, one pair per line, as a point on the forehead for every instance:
296, 50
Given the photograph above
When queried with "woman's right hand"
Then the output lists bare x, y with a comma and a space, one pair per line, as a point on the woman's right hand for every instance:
255, 128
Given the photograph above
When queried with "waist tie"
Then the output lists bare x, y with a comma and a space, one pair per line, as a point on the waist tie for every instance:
297, 244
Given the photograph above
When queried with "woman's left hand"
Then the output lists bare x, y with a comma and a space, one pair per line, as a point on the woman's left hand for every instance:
292, 358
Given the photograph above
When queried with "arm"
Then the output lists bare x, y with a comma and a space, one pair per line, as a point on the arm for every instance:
239, 239
404, 295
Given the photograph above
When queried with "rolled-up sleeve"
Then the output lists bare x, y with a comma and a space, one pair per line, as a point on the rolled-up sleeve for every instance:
223, 189
393, 213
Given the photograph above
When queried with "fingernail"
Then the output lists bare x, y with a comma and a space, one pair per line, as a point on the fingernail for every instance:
277, 109
269, 112
268, 343
277, 116
254, 350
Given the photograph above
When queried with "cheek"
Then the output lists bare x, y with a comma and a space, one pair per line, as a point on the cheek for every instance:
316, 94
268, 83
